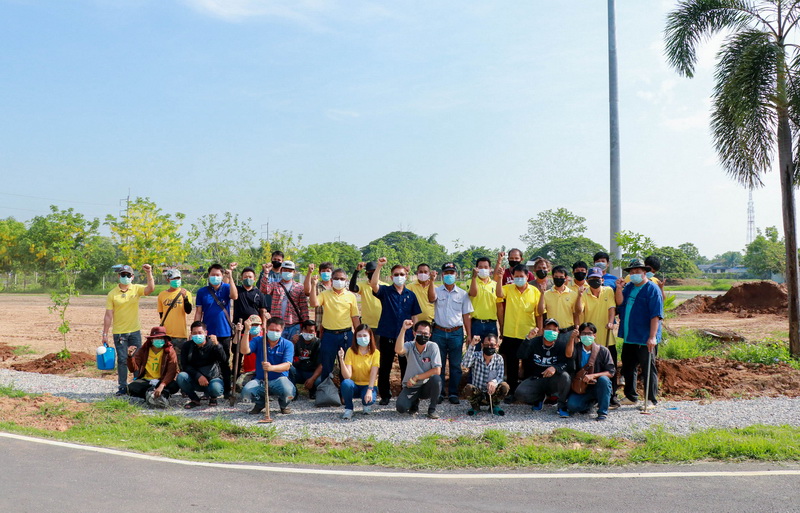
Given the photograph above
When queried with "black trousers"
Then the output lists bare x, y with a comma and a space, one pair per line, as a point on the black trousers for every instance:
634, 356
226, 368
614, 386
508, 349
386, 347
138, 388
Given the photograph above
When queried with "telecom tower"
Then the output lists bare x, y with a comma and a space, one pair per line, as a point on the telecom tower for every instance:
751, 221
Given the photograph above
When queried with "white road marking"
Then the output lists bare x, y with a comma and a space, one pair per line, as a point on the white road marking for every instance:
407, 475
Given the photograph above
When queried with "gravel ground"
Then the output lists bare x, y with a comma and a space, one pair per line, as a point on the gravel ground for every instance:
386, 424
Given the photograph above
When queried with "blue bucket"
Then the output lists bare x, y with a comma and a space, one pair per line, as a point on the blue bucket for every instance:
107, 359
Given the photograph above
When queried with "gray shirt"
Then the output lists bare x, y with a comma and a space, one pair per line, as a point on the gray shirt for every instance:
419, 363
451, 306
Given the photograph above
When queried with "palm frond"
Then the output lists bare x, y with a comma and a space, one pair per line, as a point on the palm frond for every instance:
793, 97
744, 120
697, 20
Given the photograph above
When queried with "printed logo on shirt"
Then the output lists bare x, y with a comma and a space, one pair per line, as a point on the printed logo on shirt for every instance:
545, 361
426, 360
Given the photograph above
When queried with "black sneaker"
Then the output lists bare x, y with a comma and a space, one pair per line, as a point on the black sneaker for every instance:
121, 392
509, 399
440, 400
384, 401
614, 404
312, 395
256, 410
414, 408
454, 399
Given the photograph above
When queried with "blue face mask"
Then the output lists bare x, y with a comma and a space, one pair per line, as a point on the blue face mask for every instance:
362, 341
637, 278
198, 339
125, 280
255, 330
273, 335
158, 343
287, 276
215, 280
325, 275
449, 279
520, 282
649, 274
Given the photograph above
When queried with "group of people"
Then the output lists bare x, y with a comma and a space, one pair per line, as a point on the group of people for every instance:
531, 333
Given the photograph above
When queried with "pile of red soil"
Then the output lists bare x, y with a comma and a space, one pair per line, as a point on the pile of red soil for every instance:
52, 364
753, 297
6, 352
699, 378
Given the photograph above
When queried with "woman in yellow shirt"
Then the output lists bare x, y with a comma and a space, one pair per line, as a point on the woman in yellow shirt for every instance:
360, 371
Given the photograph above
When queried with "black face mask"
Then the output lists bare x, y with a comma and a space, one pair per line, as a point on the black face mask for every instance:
559, 281
541, 274
489, 351
422, 339
595, 283
513, 263
369, 274
276, 264
580, 276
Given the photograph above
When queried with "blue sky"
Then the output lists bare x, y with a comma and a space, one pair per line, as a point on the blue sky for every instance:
353, 119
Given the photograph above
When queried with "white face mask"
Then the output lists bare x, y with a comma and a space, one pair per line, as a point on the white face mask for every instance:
307, 336
399, 280
339, 284
483, 273
423, 276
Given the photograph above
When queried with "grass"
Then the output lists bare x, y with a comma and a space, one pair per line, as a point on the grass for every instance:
706, 285
23, 350
119, 424
769, 351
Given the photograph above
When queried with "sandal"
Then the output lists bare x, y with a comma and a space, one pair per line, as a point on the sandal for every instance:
191, 404
212, 401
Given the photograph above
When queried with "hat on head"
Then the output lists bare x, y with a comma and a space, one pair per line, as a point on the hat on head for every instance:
595, 272
157, 332
254, 319
173, 273
636, 263
551, 321
371, 266
449, 266
287, 264
125, 269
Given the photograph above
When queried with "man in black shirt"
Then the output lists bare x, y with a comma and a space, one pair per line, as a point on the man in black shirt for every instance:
306, 368
251, 301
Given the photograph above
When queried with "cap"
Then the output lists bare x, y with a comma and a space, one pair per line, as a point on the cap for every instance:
636, 263
371, 266
173, 273
287, 264
157, 332
595, 272
254, 319
551, 321
125, 269
449, 266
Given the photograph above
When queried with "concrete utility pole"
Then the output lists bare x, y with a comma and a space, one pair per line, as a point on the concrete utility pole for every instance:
613, 118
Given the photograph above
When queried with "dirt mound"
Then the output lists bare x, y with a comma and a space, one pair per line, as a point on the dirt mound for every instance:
42, 412
52, 364
695, 305
699, 378
752, 297
6, 352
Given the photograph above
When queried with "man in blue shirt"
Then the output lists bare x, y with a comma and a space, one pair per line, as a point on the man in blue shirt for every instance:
397, 305
280, 353
603, 261
641, 309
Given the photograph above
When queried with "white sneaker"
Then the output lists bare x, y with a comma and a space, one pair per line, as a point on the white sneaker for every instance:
650, 406
627, 402
347, 415
367, 409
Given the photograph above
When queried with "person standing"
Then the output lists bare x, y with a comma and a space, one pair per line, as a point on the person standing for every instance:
397, 305
641, 309
340, 318
289, 300
514, 259
370, 305
324, 283
483, 294
420, 289
452, 322
174, 305
562, 303
603, 261
580, 272
251, 301
122, 318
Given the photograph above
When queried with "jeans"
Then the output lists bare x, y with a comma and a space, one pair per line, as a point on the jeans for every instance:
122, 341
299, 376
482, 329
633, 356
451, 346
386, 347
329, 347
349, 390
280, 388
600, 393
534, 390
410, 397
290, 331
190, 387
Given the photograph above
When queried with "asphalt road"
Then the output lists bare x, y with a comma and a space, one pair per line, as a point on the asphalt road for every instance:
41, 478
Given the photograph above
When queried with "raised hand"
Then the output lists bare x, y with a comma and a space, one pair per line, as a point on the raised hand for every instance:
147, 268
475, 340
266, 267
382, 261
340, 353
582, 289
434, 274
232, 266
620, 282
360, 266
314, 279
311, 268
408, 324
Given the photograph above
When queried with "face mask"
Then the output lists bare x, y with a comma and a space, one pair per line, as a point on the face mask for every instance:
276, 264
587, 340
520, 282
489, 351
325, 275
649, 274
248, 282
550, 335
541, 274
287, 276
198, 339
307, 336
484, 273
175, 284
513, 263
255, 330
423, 276
559, 281
158, 343
601, 265
580, 276
369, 274
399, 280
363, 341
273, 335
339, 284
595, 283
125, 280
636, 279
422, 339
449, 279
215, 280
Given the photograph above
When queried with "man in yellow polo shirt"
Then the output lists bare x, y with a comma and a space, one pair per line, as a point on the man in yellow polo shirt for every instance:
340, 317
420, 289
579, 272
122, 318
483, 294
370, 305
173, 305
562, 303
520, 320
599, 308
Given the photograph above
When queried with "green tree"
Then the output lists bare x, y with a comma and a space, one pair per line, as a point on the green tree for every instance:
406, 248
465, 259
284, 241
568, 251
550, 225
729, 258
765, 255
100, 258
675, 263
633, 245
12, 249
341, 254
146, 235
756, 99
222, 239
691, 251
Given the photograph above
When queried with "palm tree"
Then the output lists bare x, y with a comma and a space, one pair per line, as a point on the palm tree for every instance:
756, 99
